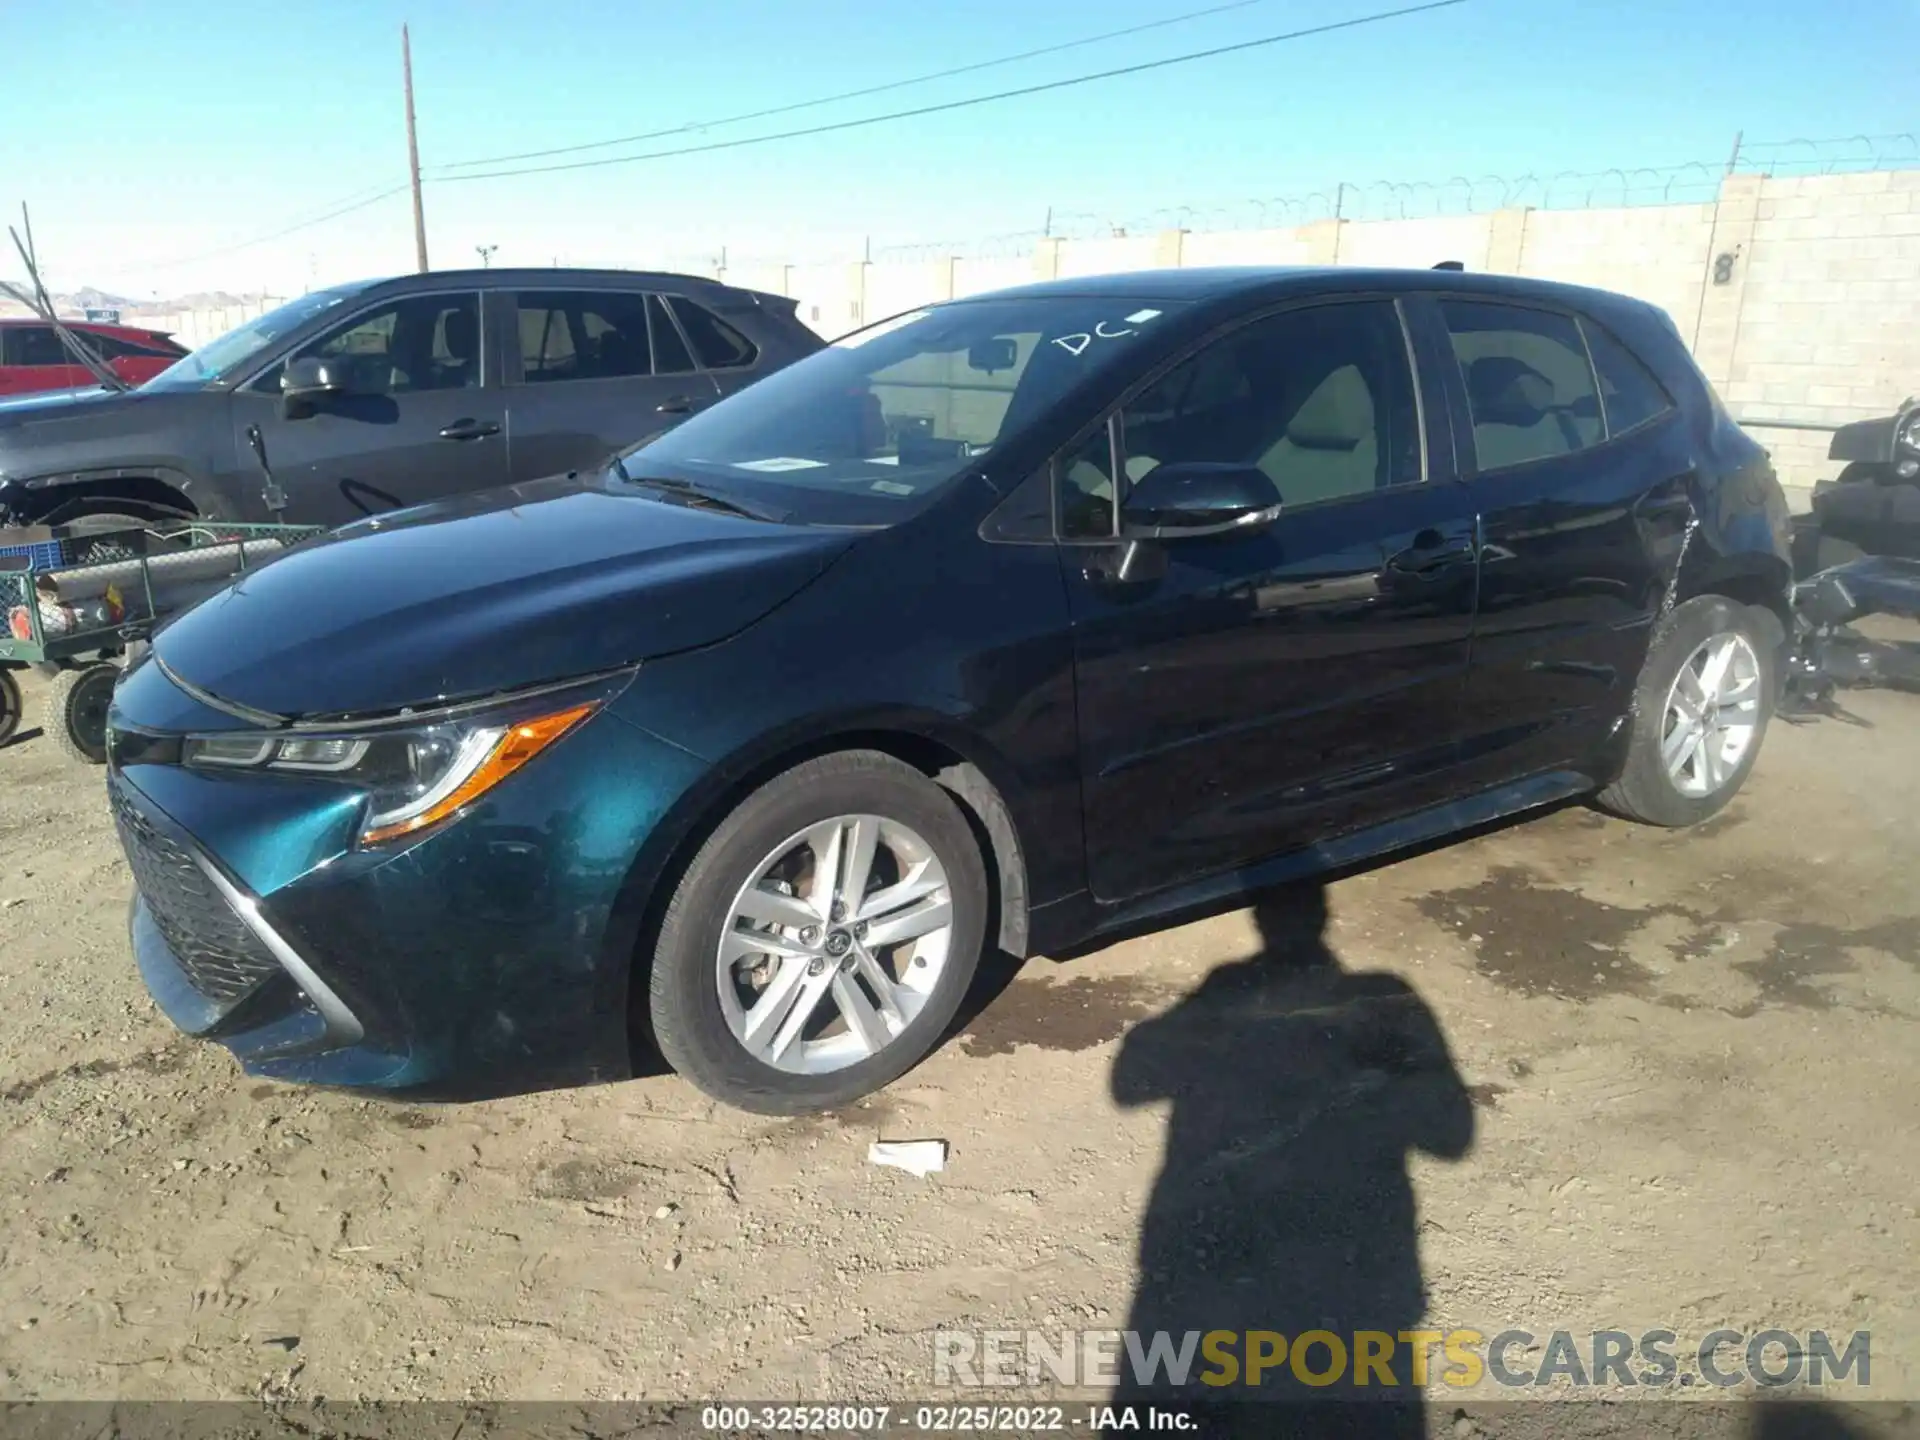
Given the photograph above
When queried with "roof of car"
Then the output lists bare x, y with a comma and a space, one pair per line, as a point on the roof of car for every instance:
553, 275
122, 328
1248, 282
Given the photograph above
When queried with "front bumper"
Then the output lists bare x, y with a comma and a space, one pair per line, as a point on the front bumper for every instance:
491, 955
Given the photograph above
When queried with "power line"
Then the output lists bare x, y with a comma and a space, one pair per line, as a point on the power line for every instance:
945, 106
294, 228
891, 85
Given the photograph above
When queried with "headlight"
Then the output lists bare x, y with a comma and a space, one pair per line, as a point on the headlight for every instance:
1909, 435
415, 775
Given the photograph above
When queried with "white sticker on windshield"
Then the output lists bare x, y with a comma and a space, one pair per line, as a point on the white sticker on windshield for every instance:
892, 487
1140, 317
883, 459
874, 332
780, 462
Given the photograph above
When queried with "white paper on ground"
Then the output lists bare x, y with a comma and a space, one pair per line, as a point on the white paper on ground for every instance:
917, 1157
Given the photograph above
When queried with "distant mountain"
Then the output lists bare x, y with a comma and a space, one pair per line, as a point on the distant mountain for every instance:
91, 298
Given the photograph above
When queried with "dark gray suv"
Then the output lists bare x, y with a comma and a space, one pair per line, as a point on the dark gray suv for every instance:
372, 396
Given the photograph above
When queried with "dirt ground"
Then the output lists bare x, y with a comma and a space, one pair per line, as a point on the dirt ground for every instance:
1670, 1080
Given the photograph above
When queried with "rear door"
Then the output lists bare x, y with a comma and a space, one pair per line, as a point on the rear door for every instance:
592, 372
1266, 690
1582, 487
426, 419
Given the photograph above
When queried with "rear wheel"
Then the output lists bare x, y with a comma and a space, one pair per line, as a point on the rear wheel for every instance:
822, 938
11, 705
1705, 695
77, 704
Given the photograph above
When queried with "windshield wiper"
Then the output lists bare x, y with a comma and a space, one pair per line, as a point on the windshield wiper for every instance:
686, 490
41, 304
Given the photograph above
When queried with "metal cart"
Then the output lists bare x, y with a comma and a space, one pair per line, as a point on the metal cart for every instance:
74, 602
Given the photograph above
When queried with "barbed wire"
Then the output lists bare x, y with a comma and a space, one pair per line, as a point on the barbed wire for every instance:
1689, 182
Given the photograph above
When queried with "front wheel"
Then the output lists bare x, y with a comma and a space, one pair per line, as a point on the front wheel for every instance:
1701, 708
822, 939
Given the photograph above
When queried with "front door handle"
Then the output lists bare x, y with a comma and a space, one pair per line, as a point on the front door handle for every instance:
675, 405
1424, 559
470, 430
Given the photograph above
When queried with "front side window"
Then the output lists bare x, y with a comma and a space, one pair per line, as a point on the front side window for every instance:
1321, 400
1631, 395
1530, 390
425, 342
229, 357
866, 430
36, 346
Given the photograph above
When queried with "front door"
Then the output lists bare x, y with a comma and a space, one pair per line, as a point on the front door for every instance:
425, 418
598, 371
1264, 690
1581, 480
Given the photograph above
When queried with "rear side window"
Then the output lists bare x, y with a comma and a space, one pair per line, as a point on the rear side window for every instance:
112, 347
670, 356
583, 335
1530, 389
718, 345
1627, 388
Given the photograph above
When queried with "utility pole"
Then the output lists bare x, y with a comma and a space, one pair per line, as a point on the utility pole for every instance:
413, 154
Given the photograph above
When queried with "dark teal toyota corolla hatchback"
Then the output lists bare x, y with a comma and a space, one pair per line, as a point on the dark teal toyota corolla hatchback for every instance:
1007, 622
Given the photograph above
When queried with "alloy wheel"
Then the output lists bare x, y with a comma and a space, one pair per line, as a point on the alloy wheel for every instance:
834, 944
1712, 714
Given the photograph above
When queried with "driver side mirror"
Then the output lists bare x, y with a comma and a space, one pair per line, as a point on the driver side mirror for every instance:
1197, 497
308, 381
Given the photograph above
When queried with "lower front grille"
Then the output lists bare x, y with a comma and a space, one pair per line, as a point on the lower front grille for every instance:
222, 958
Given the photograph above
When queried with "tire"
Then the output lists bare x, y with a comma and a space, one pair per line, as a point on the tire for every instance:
765, 854
1647, 789
77, 704
11, 706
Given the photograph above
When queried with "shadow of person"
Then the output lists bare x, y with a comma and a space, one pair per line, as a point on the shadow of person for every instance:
1283, 1205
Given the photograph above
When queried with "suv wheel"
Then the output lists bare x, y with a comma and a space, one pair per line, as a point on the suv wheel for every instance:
1701, 709
822, 938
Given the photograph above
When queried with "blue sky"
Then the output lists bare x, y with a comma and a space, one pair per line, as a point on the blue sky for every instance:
145, 134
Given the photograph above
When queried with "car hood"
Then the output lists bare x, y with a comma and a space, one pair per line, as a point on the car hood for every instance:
55, 400
485, 594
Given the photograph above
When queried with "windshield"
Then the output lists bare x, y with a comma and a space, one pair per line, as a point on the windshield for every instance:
867, 430
217, 358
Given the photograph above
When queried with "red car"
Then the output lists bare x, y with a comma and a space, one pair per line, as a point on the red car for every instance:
33, 358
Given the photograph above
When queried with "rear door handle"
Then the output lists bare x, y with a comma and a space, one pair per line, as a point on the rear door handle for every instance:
1664, 507
470, 430
1425, 559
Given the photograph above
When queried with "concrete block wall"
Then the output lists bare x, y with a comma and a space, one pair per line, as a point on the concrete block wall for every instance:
1829, 322
1816, 320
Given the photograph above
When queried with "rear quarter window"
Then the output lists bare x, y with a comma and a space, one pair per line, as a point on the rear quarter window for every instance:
716, 344
1628, 390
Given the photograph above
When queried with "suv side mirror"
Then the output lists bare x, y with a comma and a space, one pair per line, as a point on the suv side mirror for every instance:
309, 380
1196, 497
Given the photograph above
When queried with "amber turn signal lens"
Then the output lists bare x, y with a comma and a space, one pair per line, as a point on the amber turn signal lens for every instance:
515, 748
